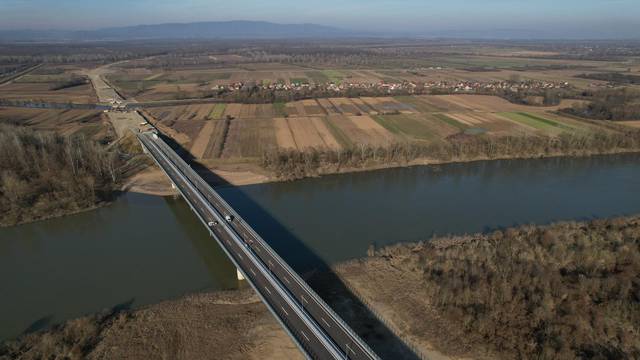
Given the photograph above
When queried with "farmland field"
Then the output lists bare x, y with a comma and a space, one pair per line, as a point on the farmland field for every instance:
406, 126
217, 111
336, 123
537, 122
89, 123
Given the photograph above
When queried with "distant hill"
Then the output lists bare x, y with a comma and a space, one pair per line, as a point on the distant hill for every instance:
197, 30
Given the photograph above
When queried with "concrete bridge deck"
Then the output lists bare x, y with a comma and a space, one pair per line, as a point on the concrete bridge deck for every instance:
317, 330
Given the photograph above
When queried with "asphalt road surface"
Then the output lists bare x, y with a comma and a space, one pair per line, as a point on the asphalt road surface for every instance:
318, 331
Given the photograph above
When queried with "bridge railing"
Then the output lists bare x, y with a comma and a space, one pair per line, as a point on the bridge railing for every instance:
280, 287
277, 257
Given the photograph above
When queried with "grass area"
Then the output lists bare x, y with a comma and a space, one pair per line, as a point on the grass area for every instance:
393, 74
299, 80
334, 76
217, 111
324, 76
280, 109
450, 121
387, 124
88, 131
154, 76
485, 61
318, 77
192, 77
416, 103
535, 121
340, 136
41, 79
406, 126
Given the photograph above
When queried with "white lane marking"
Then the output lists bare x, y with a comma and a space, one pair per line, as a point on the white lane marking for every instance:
349, 349
325, 321
320, 338
285, 311
253, 272
285, 279
305, 335
267, 289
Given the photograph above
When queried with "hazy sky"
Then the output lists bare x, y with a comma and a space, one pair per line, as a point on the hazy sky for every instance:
558, 17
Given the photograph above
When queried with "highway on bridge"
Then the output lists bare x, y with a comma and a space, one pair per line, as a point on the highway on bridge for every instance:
317, 330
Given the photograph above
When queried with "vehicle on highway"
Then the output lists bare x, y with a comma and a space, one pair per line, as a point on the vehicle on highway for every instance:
212, 223
229, 218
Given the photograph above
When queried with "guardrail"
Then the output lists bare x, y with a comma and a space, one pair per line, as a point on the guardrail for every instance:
283, 292
283, 264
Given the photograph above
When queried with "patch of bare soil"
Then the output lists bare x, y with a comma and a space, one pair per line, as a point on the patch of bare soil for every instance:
240, 176
151, 181
224, 325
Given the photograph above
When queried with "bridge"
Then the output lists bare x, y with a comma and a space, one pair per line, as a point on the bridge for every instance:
315, 328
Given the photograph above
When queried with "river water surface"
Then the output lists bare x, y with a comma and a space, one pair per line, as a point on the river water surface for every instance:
144, 249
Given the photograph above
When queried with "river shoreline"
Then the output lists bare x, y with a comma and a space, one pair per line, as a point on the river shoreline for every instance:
154, 182
245, 329
58, 215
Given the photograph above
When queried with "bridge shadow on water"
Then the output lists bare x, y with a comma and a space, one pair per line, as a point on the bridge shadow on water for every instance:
318, 274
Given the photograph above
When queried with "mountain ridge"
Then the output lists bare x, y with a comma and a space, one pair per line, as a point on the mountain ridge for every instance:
234, 29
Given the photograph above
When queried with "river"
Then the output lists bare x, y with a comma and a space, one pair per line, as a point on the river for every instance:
144, 249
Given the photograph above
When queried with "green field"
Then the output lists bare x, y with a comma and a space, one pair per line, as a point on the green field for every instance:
535, 121
299, 80
192, 77
318, 77
450, 121
405, 126
417, 104
154, 76
217, 111
334, 76
41, 79
280, 109
340, 136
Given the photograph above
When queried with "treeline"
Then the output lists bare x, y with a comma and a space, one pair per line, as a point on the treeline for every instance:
69, 83
45, 174
614, 77
534, 98
565, 291
297, 164
614, 104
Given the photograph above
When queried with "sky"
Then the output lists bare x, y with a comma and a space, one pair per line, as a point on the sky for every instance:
547, 18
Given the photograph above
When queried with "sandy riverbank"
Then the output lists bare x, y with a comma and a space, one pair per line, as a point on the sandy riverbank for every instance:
152, 181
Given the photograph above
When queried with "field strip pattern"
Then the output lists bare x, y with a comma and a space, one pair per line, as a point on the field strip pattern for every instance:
202, 141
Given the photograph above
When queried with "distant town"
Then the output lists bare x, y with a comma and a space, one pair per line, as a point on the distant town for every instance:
393, 87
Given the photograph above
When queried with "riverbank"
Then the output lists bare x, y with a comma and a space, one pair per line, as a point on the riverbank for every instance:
229, 325
565, 290
152, 181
